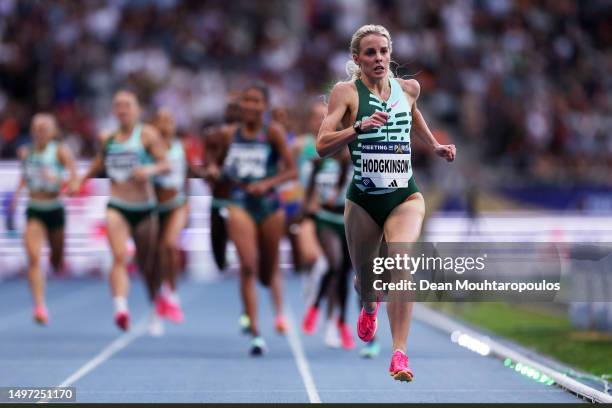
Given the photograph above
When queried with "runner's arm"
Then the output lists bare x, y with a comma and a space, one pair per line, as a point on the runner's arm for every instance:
97, 164
419, 126
197, 169
329, 139
214, 149
22, 154
20, 187
288, 170
152, 142
64, 155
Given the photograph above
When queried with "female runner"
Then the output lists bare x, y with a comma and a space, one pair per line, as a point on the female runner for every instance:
329, 179
43, 164
377, 113
131, 156
256, 159
173, 212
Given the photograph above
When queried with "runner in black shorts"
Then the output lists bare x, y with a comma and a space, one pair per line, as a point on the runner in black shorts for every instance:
173, 212
43, 165
252, 154
131, 156
329, 179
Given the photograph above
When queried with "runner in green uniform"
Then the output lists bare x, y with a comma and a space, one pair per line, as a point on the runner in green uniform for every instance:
377, 114
252, 154
312, 258
131, 157
329, 180
173, 212
43, 164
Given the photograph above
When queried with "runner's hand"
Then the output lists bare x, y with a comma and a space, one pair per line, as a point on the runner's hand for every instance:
447, 152
331, 201
212, 173
142, 173
74, 186
377, 120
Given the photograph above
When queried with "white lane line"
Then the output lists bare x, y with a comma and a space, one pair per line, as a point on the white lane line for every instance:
117, 345
300, 358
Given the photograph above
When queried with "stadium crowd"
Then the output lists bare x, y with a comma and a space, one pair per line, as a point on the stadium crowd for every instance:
526, 83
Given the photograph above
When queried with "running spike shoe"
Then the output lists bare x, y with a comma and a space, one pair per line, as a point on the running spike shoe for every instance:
168, 309
40, 314
258, 346
367, 324
399, 369
309, 324
280, 324
122, 320
346, 336
370, 350
245, 323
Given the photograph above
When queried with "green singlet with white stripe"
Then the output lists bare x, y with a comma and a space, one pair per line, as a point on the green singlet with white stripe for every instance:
382, 177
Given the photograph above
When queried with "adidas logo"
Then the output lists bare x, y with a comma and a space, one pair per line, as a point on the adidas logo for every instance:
393, 183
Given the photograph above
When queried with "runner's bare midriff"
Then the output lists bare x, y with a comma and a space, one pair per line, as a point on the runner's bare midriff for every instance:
165, 195
43, 195
132, 191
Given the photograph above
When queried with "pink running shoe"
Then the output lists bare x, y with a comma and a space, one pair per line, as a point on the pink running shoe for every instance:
160, 305
168, 309
367, 324
348, 343
309, 324
40, 314
399, 368
122, 320
280, 324
174, 313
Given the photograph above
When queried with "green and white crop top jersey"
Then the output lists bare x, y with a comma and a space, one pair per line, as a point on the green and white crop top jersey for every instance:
175, 178
121, 158
381, 157
43, 170
326, 182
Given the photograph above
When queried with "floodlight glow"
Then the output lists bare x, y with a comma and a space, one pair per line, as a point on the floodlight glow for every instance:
470, 343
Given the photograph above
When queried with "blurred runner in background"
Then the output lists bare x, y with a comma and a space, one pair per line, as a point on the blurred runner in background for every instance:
256, 160
43, 163
173, 212
131, 156
329, 179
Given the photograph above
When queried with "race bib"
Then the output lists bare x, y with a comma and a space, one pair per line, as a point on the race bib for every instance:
120, 165
385, 164
247, 161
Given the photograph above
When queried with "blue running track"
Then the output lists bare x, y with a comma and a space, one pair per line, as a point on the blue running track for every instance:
206, 359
